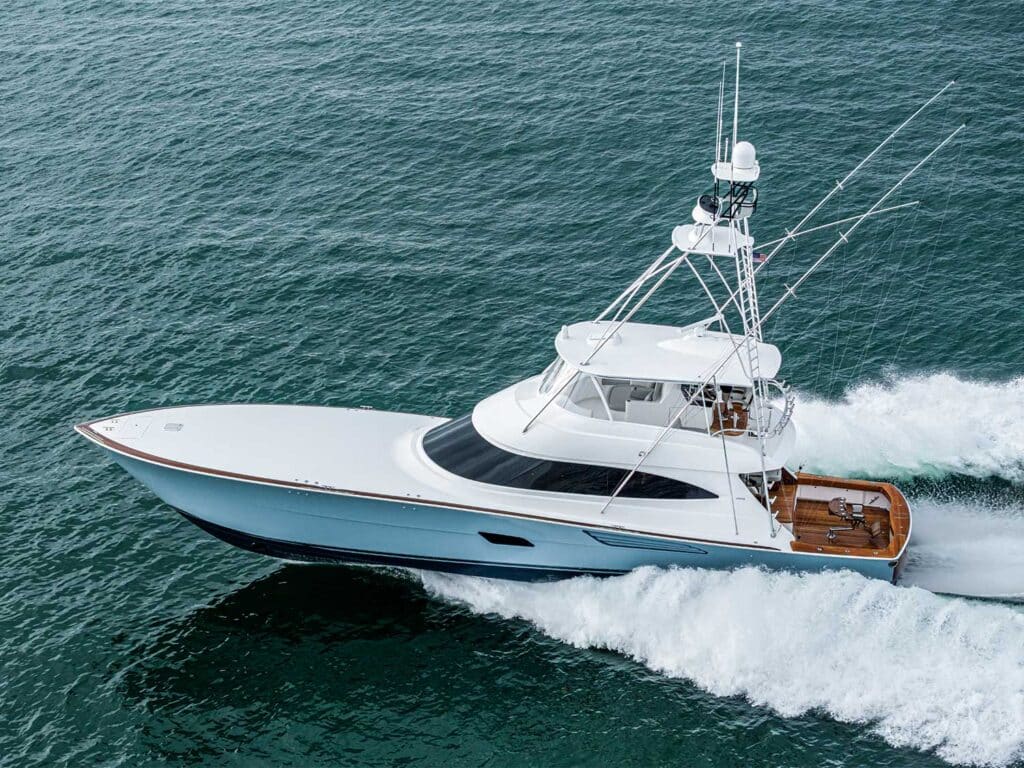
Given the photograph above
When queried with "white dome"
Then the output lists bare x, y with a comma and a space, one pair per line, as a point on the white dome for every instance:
743, 155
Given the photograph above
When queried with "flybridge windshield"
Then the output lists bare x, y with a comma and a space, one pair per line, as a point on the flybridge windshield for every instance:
457, 447
551, 373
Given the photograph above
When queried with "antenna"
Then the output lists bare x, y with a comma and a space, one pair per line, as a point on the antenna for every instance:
721, 101
736, 102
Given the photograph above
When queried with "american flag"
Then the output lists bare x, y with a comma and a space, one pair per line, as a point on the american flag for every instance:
760, 258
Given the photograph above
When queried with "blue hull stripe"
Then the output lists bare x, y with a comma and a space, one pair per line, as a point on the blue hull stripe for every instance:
313, 553
638, 542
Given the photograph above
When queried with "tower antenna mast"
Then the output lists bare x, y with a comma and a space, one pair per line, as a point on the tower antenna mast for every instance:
736, 100
721, 104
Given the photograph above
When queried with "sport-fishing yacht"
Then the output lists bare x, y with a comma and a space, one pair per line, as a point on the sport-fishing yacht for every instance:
640, 444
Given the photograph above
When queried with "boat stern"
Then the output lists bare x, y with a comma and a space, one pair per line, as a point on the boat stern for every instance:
847, 520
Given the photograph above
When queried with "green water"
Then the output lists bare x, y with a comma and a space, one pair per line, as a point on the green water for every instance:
398, 205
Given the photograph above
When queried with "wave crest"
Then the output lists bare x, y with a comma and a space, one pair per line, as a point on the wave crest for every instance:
926, 672
908, 427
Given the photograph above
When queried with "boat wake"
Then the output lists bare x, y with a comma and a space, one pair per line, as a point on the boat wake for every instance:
934, 426
967, 548
924, 671
918, 426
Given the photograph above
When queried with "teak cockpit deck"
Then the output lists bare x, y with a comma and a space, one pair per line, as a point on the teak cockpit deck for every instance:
801, 502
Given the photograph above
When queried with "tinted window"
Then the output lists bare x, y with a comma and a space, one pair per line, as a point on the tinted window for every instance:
459, 448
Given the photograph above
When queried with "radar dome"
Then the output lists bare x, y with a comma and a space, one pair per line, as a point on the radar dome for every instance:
743, 155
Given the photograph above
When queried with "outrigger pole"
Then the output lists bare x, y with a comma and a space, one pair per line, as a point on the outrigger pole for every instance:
847, 220
840, 185
721, 102
646, 275
753, 330
843, 236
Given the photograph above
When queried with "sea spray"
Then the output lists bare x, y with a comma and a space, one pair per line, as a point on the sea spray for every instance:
930, 425
921, 670
934, 426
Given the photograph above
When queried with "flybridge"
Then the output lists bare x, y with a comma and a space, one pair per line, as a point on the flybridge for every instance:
660, 353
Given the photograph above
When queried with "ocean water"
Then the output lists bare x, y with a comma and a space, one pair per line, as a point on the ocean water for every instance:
398, 205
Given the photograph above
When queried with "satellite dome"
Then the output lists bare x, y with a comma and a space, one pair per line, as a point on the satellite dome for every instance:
743, 155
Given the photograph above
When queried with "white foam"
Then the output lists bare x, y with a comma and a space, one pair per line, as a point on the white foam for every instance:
925, 671
967, 547
923, 425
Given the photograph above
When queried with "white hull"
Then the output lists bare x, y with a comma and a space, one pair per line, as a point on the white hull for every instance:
346, 485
